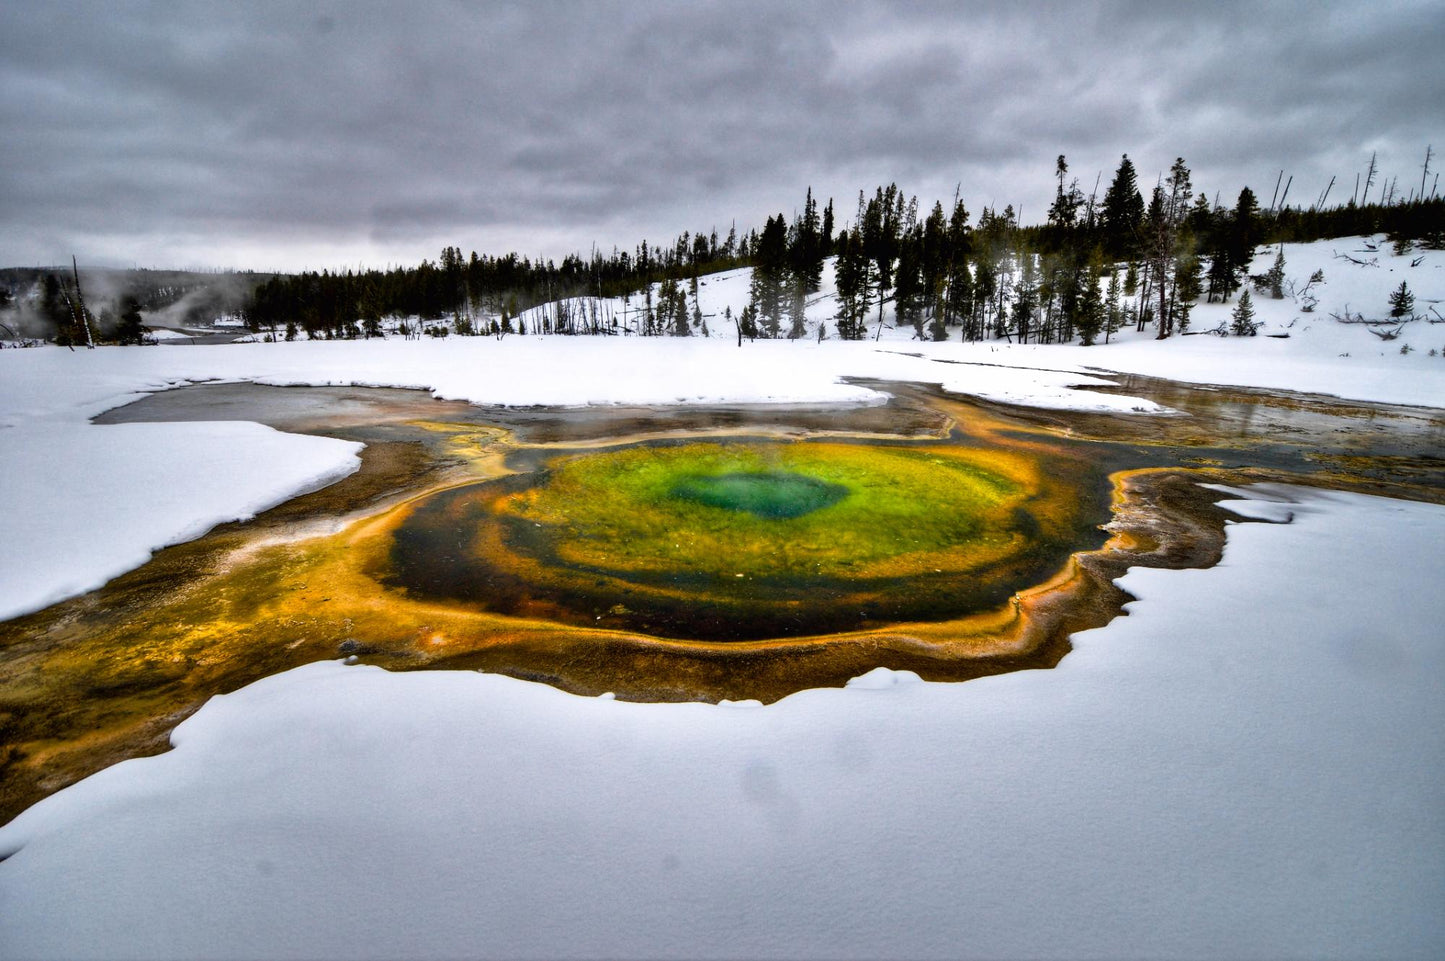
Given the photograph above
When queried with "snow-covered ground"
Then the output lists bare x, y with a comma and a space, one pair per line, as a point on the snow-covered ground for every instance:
1249, 765
1318, 354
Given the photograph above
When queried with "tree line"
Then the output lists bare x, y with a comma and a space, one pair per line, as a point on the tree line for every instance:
1096, 264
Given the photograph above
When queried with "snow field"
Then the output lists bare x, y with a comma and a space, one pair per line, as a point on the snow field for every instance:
1247, 765
89, 503
1319, 356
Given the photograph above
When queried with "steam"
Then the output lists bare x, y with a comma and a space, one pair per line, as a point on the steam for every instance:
173, 299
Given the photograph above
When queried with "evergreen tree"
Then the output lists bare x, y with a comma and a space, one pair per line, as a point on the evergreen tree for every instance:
851, 276
806, 247
55, 309
1166, 214
797, 303
129, 330
1025, 299
770, 275
1402, 302
1242, 319
1187, 287
1090, 316
748, 323
985, 287
882, 225
959, 301
1245, 231
1275, 277
1113, 313
1123, 213
908, 286
1223, 280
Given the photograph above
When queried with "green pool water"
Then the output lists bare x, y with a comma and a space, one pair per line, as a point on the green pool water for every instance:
779, 495
742, 540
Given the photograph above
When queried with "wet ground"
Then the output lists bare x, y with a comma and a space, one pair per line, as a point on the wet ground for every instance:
108, 675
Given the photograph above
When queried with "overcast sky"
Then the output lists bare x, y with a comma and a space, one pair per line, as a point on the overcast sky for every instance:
337, 134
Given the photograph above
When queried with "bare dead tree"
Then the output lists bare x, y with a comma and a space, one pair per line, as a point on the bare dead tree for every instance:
1425, 173
82, 316
1369, 179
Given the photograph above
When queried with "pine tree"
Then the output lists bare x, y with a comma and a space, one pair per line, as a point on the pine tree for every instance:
882, 219
805, 247
1025, 299
748, 323
1123, 212
1275, 276
796, 307
1245, 230
959, 300
1089, 310
130, 329
1402, 302
851, 275
908, 286
1242, 319
1187, 287
1174, 196
1222, 276
1113, 315
770, 275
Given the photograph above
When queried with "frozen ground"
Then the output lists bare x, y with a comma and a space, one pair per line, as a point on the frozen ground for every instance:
1249, 765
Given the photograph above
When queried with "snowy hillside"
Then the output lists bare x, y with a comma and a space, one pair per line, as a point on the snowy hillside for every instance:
1359, 274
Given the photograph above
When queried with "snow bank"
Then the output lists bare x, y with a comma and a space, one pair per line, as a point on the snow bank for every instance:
85, 504
1248, 765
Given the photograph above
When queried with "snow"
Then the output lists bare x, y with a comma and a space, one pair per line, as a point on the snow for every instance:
92, 503
1248, 765
87, 503
167, 333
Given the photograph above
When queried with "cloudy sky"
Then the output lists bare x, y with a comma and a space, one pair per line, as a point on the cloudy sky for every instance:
336, 134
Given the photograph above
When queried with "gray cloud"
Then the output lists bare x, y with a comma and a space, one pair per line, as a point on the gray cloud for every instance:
329, 134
